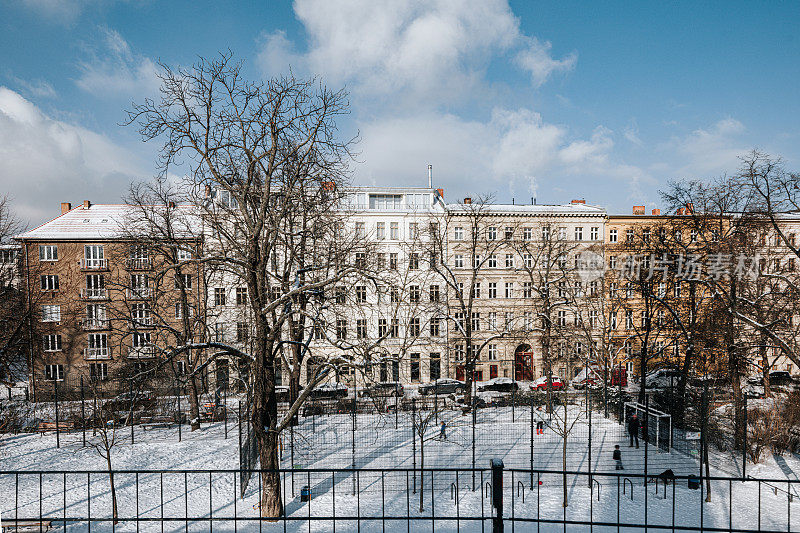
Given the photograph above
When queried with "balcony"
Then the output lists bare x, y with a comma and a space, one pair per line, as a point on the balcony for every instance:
141, 322
94, 264
94, 324
94, 294
142, 352
138, 293
92, 354
138, 263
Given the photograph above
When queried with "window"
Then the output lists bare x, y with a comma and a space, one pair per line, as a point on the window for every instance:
361, 260
508, 233
7, 256
527, 234
492, 261
98, 344
54, 372
527, 290
492, 320
628, 349
612, 262
613, 320
179, 310
383, 328
380, 260
677, 235
459, 318
361, 328
458, 352
219, 296
394, 329
360, 232
693, 235
491, 352
385, 202
51, 313
184, 254
527, 260
183, 281
509, 289
527, 320
509, 260
413, 261
414, 367
413, 293
361, 294
49, 282
393, 261
562, 289
593, 318
219, 332
394, 231
340, 295
628, 319
434, 293
475, 321
578, 233
341, 329
413, 230
562, 318
241, 295
51, 343
677, 289
476, 260
491, 233
48, 252
140, 314
242, 332
413, 327
98, 371
629, 235
492, 289
435, 366
433, 259
476, 290
458, 234
458, 261
380, 230
546, 233
93, 256
435, 327
594, 233
593, 289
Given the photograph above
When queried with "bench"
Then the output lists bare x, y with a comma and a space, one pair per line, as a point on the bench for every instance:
20, 526
51, 426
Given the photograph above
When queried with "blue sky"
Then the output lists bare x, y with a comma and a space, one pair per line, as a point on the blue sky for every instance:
603, 101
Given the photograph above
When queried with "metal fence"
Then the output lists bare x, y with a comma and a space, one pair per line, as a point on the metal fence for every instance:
442, 499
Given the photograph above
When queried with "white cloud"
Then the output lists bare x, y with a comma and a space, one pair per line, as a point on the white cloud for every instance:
59, 11
44, 161
39, 88
113, 69
536, 59
710, 151
431, 52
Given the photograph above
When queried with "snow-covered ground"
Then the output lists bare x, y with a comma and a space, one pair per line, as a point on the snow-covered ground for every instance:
329, 442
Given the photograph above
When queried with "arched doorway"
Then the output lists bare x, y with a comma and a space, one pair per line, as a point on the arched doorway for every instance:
523, 363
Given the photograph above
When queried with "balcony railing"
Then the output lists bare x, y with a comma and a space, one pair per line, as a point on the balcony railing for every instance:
142, 352
91, 324
94, 264
96, 353
94, 294
138, 293
141, 322
138, 263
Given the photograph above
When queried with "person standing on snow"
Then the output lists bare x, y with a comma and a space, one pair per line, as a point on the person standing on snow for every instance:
618, 457
633, 430
442, 433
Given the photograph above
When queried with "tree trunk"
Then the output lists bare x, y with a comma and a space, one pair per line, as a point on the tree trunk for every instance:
265, 424
113, 487
194, 403
762, 351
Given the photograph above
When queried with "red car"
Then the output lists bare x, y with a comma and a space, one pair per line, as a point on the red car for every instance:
541, 383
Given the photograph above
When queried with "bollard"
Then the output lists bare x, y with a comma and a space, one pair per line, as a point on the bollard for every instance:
497, 495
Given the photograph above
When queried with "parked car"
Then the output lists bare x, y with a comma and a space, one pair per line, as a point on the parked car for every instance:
779, 378
662, 378
382, 390
498, 385
541, 383
587, 377
443, 386
329, 391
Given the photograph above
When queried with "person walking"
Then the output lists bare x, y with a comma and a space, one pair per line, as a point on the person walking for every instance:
633, 430
618, 458
442, 434
540, 427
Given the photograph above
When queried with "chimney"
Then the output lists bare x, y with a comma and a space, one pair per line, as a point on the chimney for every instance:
656, 212
87, 204
441, 193
578, 202
467, 200
65, 206
171, 205
680, 211
208, 191
533, 200
689, 208
638, 210
430, 176
328, 185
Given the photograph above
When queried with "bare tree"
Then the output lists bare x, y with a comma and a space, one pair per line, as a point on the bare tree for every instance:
14, 312
266, 169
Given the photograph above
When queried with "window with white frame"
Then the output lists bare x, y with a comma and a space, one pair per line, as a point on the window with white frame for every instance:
394, 231
528, 260
220, 296
51, 313
48, 252
527, 289
475, 322
594, 233
54, 372
360, 231
49, 282
458, 233
612, 235
578, 233
509, 289
435, 326
509, 260
491, 233
141, 339
492, 320
51, 343
476, 290
458, 261
508, 320
491, 352
184, 254
491, 262
98, 371
361, 328
492, 291
527, 234
380, 230
94, 256
562, 318
545, 233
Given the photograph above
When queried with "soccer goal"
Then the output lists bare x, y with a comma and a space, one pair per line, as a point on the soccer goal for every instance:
660, 417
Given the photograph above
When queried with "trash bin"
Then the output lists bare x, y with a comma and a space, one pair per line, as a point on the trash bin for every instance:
694, 482
305, 493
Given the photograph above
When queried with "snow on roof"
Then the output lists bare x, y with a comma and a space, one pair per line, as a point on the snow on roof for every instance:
98, 221
530, 209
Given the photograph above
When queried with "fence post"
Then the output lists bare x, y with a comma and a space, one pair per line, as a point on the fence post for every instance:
83, 414
180, 414
646, 434
497, 495
744, 440
225, 409
605, 387
55, 394
414, 443
353, 437
589, 407
130, 421
474, 416
531, 442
